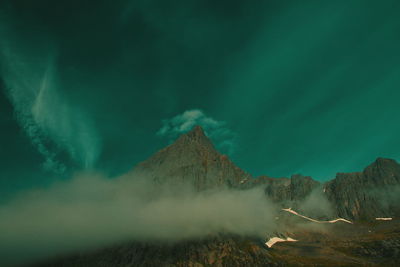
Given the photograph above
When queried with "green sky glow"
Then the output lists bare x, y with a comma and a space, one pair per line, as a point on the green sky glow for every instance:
307, 87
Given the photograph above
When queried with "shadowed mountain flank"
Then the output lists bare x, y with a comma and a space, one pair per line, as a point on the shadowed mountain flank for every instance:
366, 195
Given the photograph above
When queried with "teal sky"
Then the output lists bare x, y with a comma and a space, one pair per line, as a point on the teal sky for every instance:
284, 87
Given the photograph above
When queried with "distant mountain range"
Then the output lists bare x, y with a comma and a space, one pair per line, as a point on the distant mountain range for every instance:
360, 197
193, 160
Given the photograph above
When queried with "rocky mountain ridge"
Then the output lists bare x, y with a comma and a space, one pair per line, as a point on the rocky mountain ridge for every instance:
193, 160
365, 195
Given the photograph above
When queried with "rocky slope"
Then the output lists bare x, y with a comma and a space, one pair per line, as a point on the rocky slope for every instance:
192, 160
285, 190
328, 245
212, 251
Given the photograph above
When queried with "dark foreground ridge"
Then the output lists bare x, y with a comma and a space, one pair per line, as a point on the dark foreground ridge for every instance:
335, 245
360, 197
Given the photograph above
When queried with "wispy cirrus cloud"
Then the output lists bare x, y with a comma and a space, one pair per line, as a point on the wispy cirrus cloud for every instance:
53, 123
218, 131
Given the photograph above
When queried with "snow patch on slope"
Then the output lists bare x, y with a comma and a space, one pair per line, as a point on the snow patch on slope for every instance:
316, 221
383, 219
272, 241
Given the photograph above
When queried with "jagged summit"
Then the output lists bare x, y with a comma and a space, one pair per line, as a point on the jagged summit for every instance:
382, 163
195, 137
383, 166
364, 195
197, 131
192, 159
385, 160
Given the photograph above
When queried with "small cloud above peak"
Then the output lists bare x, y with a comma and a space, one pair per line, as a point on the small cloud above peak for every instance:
187, 121
196, 119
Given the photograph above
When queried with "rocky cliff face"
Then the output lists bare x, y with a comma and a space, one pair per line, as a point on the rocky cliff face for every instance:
366, 195
192, 160
288, 192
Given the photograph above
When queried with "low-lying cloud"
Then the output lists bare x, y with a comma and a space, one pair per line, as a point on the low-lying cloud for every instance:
218, 131
91, 211
317, 205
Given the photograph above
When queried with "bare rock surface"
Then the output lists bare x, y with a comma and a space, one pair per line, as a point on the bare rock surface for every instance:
192, 160
366, 195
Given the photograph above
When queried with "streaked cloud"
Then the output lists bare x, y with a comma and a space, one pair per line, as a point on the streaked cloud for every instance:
53, 124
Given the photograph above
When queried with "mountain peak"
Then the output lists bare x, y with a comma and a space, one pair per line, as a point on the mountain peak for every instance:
198, 130
195, 137
382, 164
192, 159
196, 133
384, 161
